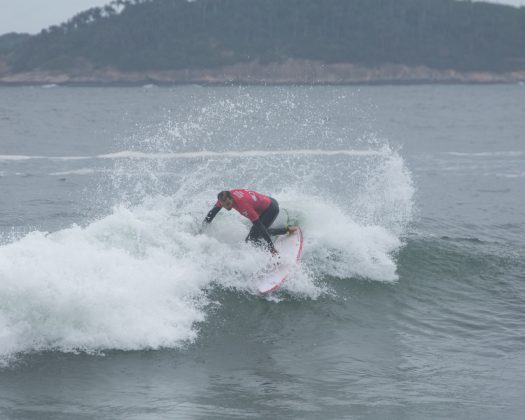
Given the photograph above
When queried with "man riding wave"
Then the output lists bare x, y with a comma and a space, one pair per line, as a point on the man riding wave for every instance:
260, 209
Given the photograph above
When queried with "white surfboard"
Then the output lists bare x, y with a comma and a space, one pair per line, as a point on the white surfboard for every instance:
290, 247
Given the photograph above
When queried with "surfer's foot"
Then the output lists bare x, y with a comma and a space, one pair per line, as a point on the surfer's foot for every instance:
292, 229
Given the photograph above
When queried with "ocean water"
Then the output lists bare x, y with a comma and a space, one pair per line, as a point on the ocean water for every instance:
409, 301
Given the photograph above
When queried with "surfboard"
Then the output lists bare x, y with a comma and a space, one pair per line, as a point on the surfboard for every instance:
290, 247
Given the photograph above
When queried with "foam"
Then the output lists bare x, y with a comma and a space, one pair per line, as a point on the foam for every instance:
135, 279
337, 245
138, 277
118, 283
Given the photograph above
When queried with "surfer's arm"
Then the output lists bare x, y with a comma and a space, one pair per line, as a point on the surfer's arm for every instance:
211, 215
264, 234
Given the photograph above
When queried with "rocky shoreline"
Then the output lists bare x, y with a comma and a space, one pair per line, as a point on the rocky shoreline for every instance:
285, 72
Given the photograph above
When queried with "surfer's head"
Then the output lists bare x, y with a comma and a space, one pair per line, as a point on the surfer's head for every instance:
226, 199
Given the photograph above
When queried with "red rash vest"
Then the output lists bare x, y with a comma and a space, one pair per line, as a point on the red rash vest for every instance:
249, 203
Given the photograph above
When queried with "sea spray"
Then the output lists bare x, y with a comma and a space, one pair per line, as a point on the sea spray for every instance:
111, 285
138, 275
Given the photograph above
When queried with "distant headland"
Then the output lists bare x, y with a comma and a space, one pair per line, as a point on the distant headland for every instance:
273, 42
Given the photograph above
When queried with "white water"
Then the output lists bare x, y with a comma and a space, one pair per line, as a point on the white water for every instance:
445, 341
139, 275
137, 278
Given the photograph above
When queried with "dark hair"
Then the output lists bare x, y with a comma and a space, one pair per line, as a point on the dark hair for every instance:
223, 195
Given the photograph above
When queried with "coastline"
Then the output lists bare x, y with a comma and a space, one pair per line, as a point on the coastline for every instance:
288, 72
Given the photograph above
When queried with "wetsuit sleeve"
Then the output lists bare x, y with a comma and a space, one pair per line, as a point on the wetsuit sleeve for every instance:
211, 214
263, 233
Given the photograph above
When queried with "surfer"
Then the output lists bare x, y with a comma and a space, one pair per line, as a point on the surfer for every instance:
260, 209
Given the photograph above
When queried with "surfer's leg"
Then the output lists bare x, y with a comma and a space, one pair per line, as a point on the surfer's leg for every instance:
270, 214
278, 231
267, 218
253, 236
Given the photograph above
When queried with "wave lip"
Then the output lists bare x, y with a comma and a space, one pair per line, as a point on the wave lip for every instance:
81, 172
509, 153
17, 157
32, 157
129, 154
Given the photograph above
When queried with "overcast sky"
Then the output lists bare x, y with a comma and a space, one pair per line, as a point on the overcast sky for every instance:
34, 15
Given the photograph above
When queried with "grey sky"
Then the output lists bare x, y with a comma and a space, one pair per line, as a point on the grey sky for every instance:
34, 15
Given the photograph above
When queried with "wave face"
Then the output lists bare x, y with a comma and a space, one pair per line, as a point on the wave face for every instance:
139, 274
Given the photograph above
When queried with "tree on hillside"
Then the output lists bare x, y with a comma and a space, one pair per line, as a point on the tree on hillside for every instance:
175, 34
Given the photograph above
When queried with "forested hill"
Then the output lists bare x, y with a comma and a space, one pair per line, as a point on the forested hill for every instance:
10, 40
145, 35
